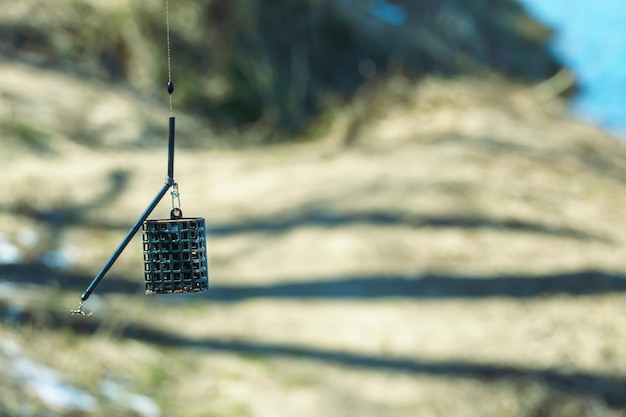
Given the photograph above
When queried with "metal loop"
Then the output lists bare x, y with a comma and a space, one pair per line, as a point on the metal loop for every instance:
175, 197
176, 214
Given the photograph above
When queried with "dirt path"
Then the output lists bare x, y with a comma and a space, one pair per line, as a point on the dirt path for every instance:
464, 257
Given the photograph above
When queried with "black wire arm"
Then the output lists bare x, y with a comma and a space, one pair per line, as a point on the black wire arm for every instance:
169, 181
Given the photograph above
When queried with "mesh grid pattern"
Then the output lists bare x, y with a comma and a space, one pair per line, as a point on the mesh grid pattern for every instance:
174, 253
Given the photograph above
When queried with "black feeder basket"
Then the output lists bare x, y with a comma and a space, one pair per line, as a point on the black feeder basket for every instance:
174, 255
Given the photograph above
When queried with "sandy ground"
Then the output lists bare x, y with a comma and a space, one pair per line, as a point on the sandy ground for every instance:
464, 256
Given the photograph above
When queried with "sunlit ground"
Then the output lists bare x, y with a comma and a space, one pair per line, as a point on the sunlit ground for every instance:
462, 256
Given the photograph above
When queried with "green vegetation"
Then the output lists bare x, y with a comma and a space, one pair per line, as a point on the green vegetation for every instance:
31, 137
277, 65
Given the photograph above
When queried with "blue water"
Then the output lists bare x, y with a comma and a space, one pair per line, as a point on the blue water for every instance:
590, 39
390, 13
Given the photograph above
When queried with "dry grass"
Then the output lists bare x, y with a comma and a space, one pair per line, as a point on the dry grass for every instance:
462, 257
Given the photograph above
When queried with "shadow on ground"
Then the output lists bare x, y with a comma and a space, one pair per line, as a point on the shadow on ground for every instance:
610, 389
329, 219
78, 216
576, 283
431, 287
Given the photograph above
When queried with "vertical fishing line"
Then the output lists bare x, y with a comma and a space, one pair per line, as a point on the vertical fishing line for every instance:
170, 84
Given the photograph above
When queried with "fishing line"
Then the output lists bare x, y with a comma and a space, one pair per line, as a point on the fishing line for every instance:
170, 84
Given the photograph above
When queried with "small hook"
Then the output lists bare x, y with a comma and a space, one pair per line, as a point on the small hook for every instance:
80, 311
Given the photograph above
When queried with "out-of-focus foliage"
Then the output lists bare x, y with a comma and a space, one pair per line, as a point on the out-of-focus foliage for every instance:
279, 63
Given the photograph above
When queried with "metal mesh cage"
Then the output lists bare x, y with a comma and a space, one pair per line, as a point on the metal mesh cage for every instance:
174, 253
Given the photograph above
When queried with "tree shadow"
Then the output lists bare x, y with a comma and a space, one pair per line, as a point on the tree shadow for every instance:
39, 274
611, 389
75, 215
579, 283
52, 223
287, 221
309, 215
364, 287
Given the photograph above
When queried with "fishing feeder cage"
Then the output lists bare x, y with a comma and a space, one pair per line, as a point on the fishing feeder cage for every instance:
174, 255
174, 250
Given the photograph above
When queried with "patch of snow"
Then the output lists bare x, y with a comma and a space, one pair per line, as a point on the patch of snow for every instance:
142, 405
9, 253
58, 258
45, 383
10, 348
27, 236
7, 291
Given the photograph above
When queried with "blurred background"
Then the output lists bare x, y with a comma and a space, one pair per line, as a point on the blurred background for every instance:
414, 208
